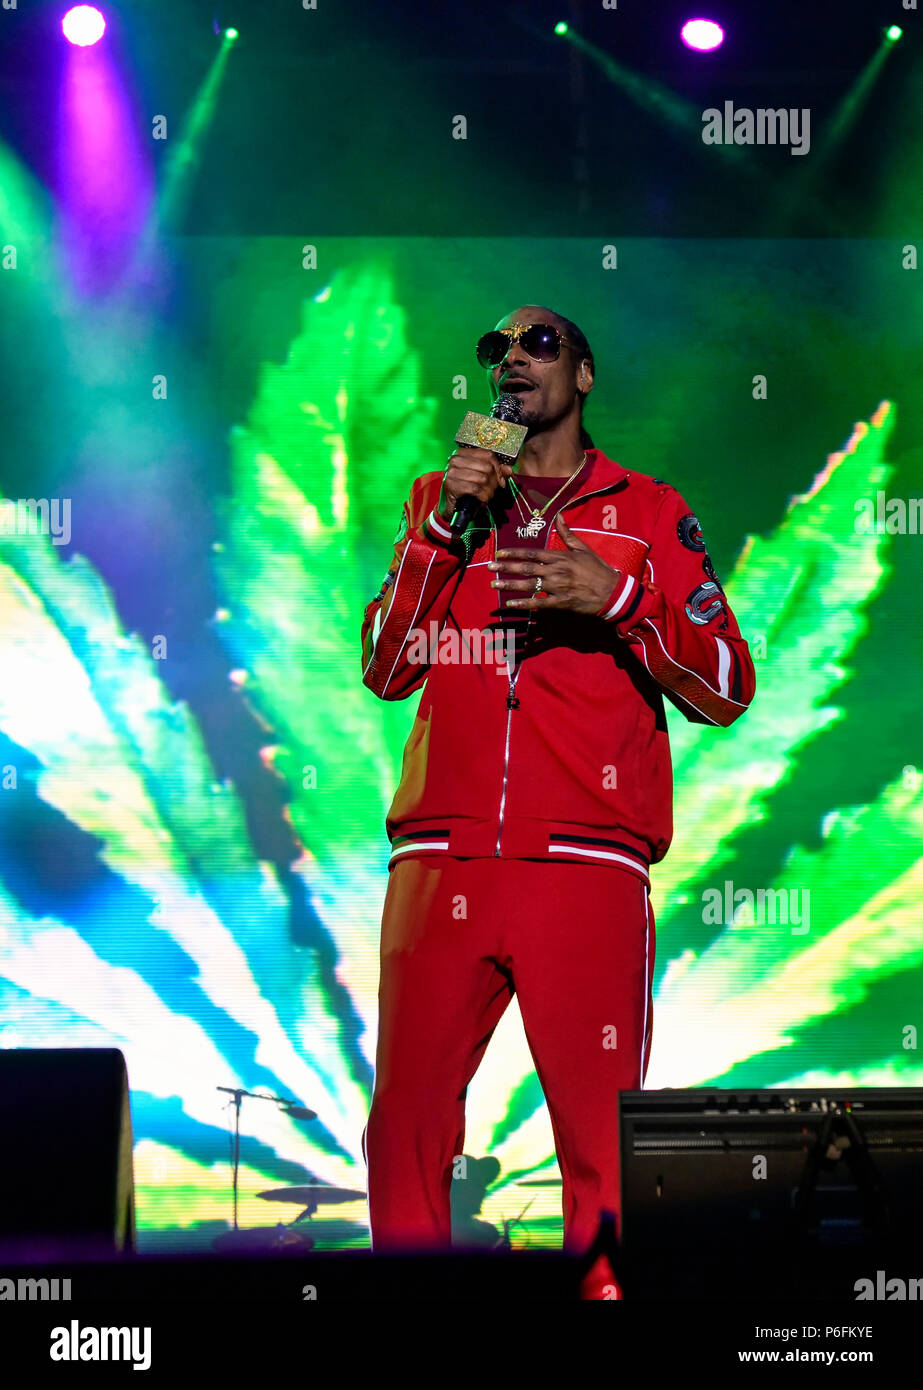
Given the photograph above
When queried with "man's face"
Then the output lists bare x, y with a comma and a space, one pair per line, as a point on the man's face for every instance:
548, 390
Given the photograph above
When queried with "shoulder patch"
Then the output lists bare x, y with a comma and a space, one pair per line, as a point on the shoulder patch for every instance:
385, 586
689, 532
704, 604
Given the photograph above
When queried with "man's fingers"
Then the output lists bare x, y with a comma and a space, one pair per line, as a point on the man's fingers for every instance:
465, 482
539, 600
524, 584
517, 566
543, 556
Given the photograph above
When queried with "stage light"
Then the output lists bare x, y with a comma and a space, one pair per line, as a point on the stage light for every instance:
231, 34
702, 35
83, 25
894, 33
560, 27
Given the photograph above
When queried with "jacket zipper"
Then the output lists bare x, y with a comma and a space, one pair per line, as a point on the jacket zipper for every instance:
512, 700
506, 767
511, 704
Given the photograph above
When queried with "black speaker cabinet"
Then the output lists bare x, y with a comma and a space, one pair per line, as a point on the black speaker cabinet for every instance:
66, 1179
791, 1176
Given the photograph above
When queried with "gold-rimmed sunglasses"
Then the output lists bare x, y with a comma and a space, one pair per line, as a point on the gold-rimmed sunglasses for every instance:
542, 341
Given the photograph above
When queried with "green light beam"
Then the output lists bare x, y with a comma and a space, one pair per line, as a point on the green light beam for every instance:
183, 161
685, 118
802, 184
26, 227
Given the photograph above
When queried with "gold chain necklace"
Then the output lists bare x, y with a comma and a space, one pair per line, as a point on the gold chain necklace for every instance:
534, 525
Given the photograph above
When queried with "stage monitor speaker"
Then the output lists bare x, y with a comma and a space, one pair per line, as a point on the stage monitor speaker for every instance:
66, 1178
825, 1171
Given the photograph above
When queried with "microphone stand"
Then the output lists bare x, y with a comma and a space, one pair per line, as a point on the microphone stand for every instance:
290, 1108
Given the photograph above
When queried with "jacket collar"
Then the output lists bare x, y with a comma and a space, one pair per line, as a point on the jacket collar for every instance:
602, 474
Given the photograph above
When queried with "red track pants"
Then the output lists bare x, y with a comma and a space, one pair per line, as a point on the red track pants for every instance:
575, 942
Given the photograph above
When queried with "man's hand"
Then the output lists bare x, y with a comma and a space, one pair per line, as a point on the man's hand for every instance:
575, 578
472, 472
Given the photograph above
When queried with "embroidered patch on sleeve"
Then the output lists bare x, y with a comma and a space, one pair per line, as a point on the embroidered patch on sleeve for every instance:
704, 604
690, 532
385, 585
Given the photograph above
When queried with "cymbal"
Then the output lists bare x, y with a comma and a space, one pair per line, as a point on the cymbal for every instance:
304, 1196
540, 1182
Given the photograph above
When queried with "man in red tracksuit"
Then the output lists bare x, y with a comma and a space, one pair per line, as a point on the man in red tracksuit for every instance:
536, 788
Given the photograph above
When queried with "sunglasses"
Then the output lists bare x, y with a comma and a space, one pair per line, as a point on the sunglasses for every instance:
541, 341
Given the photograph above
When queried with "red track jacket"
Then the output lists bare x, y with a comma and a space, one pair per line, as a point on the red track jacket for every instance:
576, 764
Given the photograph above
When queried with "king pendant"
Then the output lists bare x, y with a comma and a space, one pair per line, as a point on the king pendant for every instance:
532, 528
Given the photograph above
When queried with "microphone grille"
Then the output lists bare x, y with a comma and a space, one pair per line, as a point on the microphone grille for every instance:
507, 407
